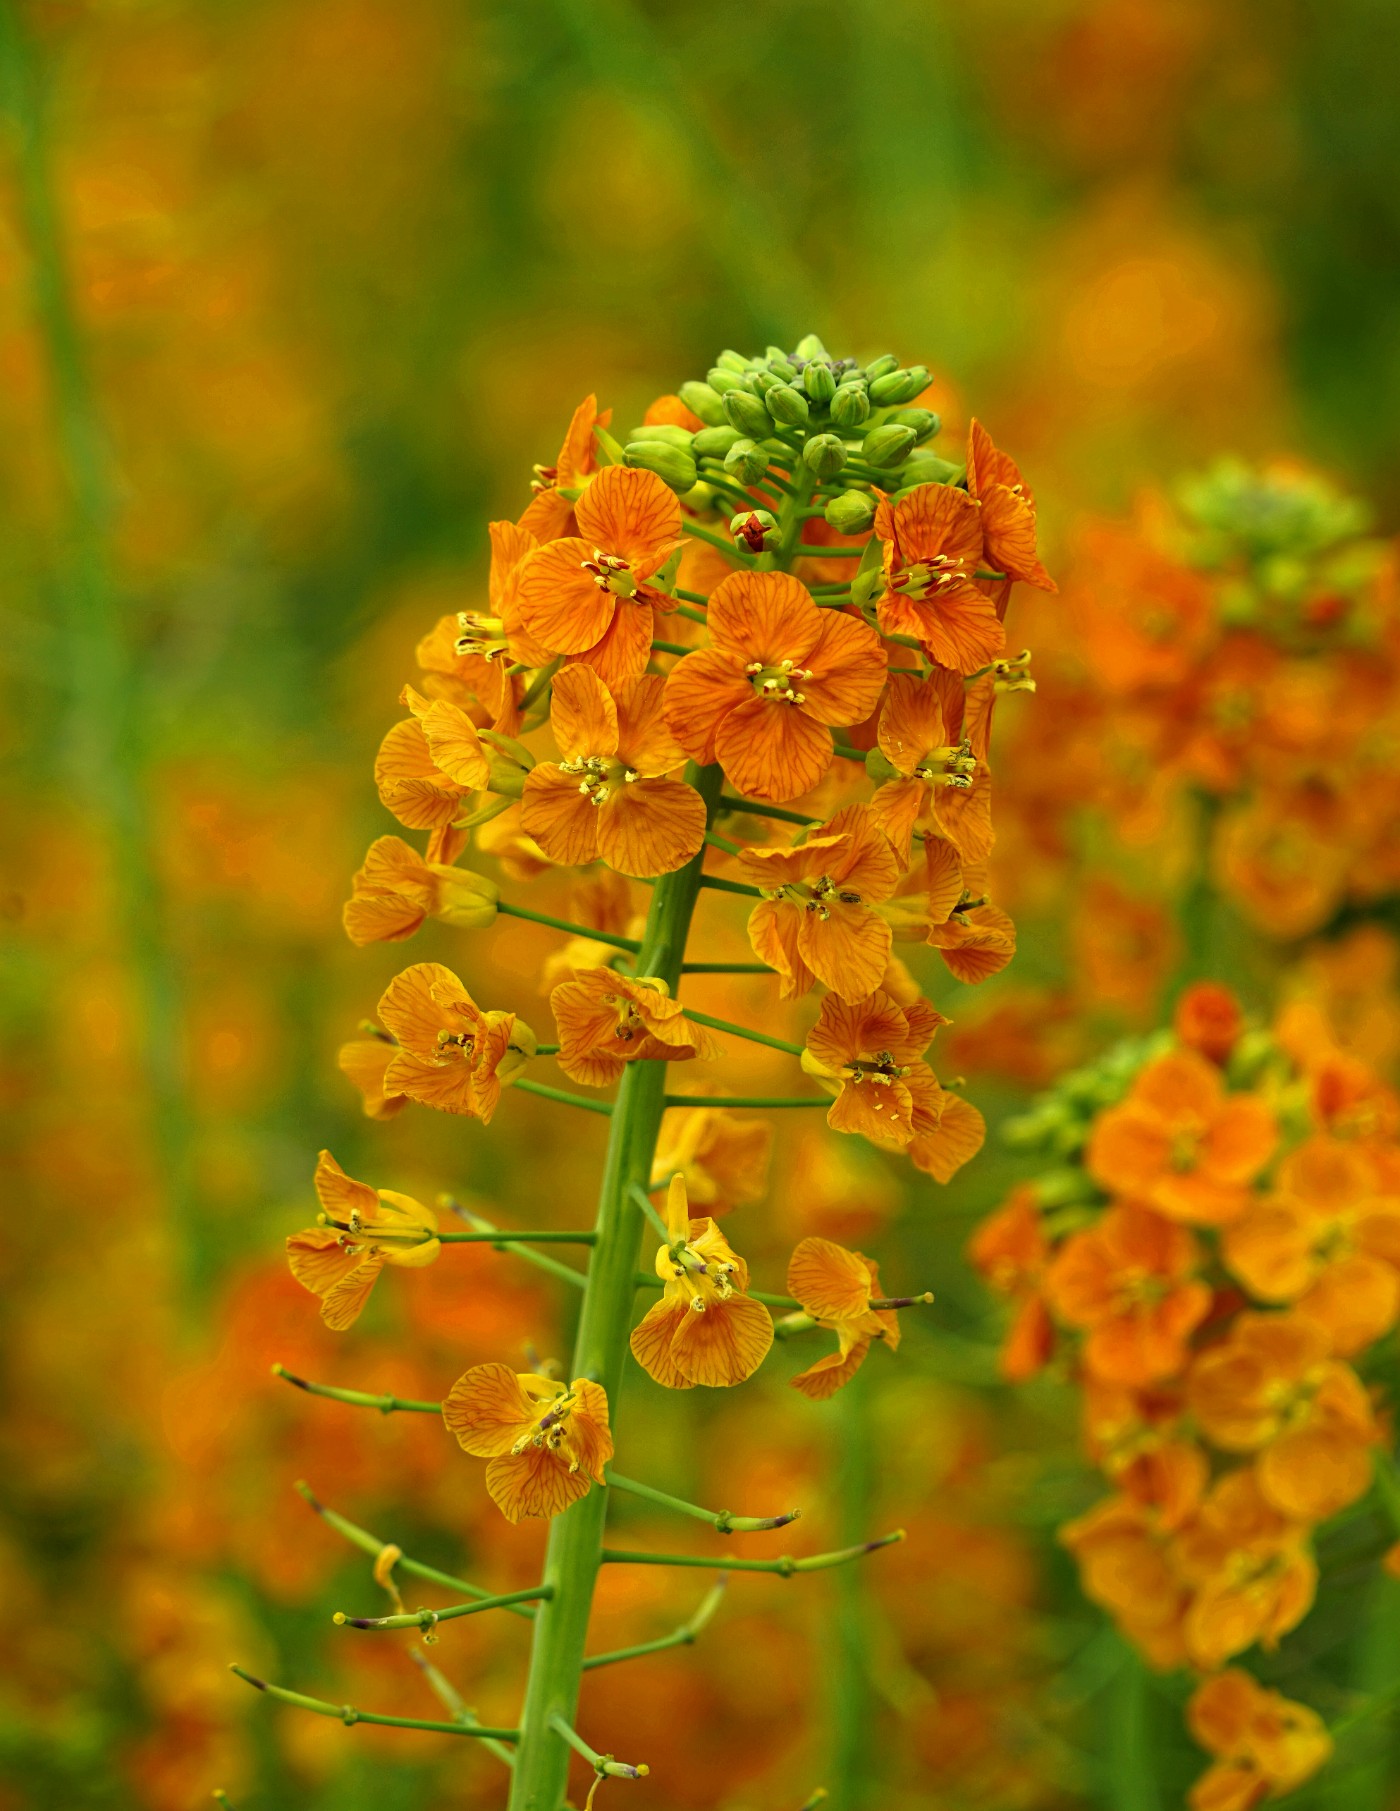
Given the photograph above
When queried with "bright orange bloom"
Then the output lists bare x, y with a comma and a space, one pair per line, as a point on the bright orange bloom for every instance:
607, 1020
591, 594
1208, 1019
932, 546
724, 1159
607, 797
556, 487
959, 1135
1272, 1389
1181, 1144
366, 1062
836, 1287
367, 1229
1008, 510
1327, 1241
1264, 1744
778, 671
1125, 1567
1130, 1283
1250, 1571
706, 1329
945, 906
1011, 1251
429, 764
546, 1440
1139, 1440
396, 890
497, 637
942, 785
868, 1053
816, 920
451, 1055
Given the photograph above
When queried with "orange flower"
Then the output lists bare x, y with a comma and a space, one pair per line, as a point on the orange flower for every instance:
1181, 1144
816, 919
590, 595
946, 907
497, 637
1139, 1440
836, 1287
1125, 1567
867, 1052
779, 671
424, 781
607, 797
546, 1441
396, 890
941, 785
1326, 1241
932, 546
556, 487
723, 1159
1008, 510
607, 1020
367, 1229
1251, 1575
1208, 1019
1130, 1283
1264, 1744
452, 1055
366, 1062
705, 1329
1272, 1389
1010, 1250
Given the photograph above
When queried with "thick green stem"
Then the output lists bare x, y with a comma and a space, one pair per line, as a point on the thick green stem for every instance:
576, 1537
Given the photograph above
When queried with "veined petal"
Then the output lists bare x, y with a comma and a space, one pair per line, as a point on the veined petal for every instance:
446, 1087
652, 1340
725, 1344
562, 819
342, 1305
628, 512
701, 690
764, 616
895, 809
848, 951
645, 741
319, 1260
824, 1378
960, 1135
848, 670
622, 651
559, 601
650, 827
423, 1000
771, 750
830, 1282
454, 744
340, 1195
582, 714
535, 1482
911, 721
385, 917
773, 927
488, 1410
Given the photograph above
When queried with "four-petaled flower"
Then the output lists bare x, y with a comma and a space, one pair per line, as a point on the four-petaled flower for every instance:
706, 1329
836, 1286
932, 544
363, 1229
451, 1055
607, 1020
941, 782
546, 1441
868, 1052
779, 672
607, 796
395, 890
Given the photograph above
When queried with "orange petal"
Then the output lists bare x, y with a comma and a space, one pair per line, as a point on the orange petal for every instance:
535, 1482
340, 1194
645, 740
830, 1282
772, 751
562, 820
651, 827
488, 1410
911, 721
765, 616
622, 651
628, 512
319, 1260
342, 1305
824, 1378
559, 601
848, 670
582, 714
773, 927
725, 1344
700, 691
421, 1001
848, 951
960, 1135
652, 1341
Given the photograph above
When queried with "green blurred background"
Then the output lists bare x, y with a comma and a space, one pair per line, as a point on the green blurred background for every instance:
292, 295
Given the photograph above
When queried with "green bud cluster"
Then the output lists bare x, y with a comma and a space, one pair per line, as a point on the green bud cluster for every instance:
1056, 1126
855, 427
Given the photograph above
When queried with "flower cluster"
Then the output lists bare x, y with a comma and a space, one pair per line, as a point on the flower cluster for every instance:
1224, 680
1213, 1246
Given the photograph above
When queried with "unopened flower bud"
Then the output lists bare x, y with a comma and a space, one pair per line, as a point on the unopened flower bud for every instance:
667, 432
924, 467
465, 899
755, 529
925, 422
867, 585
819, 380
825, 454
780, 364
759, 383
730, 360
788, 406
704, 401
722, 381
886, 446
672, 465
851, 513
747, 461
745, 412
809, 347
898, 386
880, 367
850, 406
714, 443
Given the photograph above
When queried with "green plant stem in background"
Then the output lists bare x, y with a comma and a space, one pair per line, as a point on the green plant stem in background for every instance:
1131, 1774
349, 1715
850, 1772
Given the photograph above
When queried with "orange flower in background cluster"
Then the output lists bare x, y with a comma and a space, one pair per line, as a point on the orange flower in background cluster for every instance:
1011, 1250
608, 796
944, 904
779, 672
607, 1020
545, 1441
706, 1329
1264, 1744
430, 764
837, 1287
364, 1230
590, 595
451, 1055
722, 1158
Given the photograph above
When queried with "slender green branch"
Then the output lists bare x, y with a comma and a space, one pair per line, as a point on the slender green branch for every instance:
564, 1097
718, 884
629, 944
349, 1715
427, 1619
850, 754
692, 597
541, 683
746, 1100
669, 647
714, 540
564, 1272
695, 616
443, 1689
722, 1520
602, 1764
784, 1567
716, 841
509, 1236
371, 1544
360, 1399
730, 803
684, 1636
725, 968
743, 1031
